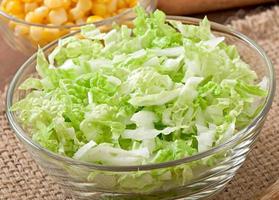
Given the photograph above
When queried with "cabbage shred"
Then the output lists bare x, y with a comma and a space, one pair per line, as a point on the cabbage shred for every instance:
157, 92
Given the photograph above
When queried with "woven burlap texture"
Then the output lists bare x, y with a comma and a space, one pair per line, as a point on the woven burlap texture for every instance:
21, 178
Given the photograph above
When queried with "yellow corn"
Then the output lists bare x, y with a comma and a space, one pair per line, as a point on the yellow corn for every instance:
102, 1
54, 3
69, 24
67, 4
57, 3
36, 33
76, 13
50, 34
94, 18
20, 16
99, 9
57, 16
31, 1
42, 11
14, 7
81, 21
132, 3
59, 12
81, 8
3, 5
84, 5
121, 4
112, 6
32, 17
12, 25
28, 7
38, 15
21, 30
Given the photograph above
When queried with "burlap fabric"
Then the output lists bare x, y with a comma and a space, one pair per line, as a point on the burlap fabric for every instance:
21, 178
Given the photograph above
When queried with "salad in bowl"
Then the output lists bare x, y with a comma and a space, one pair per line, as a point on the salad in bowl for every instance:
158, 109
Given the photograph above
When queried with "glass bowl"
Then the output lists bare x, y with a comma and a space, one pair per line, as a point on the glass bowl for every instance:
26, 37
194, 177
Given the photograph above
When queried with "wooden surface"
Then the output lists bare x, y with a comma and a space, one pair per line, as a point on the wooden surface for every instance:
180, 7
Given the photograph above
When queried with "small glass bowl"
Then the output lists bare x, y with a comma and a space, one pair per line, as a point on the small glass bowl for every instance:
26, 37
201, 176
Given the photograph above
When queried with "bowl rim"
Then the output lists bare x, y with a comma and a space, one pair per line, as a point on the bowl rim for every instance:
20, 133
98, 23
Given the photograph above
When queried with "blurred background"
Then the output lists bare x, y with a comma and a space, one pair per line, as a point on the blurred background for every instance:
221, 11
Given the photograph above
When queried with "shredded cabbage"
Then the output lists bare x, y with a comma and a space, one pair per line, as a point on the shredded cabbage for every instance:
155, 93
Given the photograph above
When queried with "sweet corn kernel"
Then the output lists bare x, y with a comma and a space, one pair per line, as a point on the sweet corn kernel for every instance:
121, 4
28, 7
99, 9
38, 15
63, 32
67, 4
112, 6
12, 25
3, 4
94, 18
102, 1
76, 13
108, 15
69, 24
36, 33
57, 16
54, 3
31, 1
84, 5
42, 11
81, 8
58, 12
20, 16
58, 3
33, 17
81, 21
43, 42
21, 30
50, 34
14, 7
132, 3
